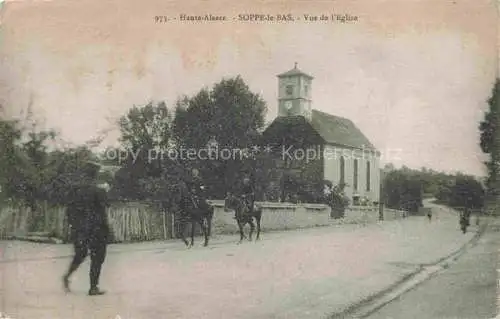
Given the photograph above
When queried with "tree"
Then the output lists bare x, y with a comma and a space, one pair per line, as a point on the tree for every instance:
10, 156
35, 170
228, 112
389, 167
467, 192
29, 174
403, 190
145, 127
145, 144
25, 158
489, 126
489, 138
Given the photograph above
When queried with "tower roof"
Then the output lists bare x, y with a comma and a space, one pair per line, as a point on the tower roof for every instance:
293, 72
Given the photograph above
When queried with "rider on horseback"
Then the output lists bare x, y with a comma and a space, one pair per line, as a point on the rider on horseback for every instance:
195, 186
465, 218
247, 193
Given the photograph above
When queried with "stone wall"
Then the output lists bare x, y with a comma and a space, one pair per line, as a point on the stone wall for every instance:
275, 216
371, 214
393, 214
361, 214
284, 216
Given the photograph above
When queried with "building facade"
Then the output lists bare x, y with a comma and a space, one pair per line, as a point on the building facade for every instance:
321, 146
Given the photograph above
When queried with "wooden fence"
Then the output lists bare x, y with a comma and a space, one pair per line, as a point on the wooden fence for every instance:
130, 221
19, 220
138, 222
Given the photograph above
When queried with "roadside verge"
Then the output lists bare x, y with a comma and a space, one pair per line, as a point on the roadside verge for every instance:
372, 303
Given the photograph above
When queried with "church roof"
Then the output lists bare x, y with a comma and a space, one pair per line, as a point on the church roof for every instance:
294, 71
333, 130
339, 130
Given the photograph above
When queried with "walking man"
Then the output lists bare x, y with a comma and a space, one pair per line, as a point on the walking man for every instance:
88, 220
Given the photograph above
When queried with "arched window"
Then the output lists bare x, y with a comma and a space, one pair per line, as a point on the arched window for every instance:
368, 175
355, 176
342, 170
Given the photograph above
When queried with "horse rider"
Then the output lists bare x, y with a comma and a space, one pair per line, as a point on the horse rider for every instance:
465, 216
87, 217
195, 186
247, 193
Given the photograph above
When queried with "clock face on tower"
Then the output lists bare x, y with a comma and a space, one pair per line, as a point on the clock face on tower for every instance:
288, 105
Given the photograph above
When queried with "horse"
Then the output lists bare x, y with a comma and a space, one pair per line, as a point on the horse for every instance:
243, 215
195, 210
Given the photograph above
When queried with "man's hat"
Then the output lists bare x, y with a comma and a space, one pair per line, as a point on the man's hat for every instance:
91, 167
92, 164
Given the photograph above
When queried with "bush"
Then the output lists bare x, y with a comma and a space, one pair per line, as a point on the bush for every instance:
338, 201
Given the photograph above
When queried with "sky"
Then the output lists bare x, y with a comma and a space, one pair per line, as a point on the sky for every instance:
413, 75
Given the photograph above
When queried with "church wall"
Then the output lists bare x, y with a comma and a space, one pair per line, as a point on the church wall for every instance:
349, 169
331, 164
376, 179
373, 192
326, 165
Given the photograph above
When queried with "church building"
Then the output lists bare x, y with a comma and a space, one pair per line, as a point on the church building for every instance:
319, 146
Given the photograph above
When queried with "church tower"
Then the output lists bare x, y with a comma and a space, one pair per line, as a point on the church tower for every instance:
294, 93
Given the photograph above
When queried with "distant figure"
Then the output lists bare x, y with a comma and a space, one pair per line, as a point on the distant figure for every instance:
465, 219
429, 214
90, 230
